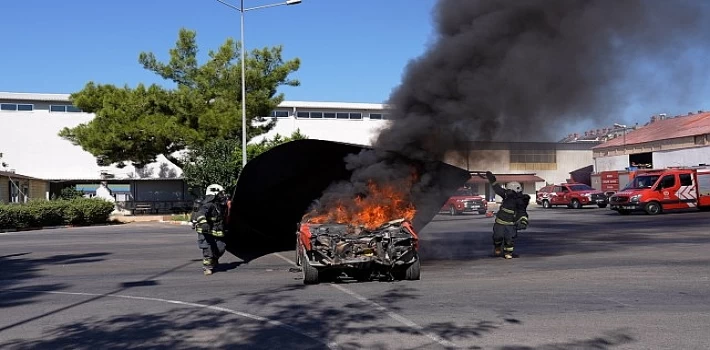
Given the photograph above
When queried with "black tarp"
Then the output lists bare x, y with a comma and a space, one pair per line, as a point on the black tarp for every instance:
276, 188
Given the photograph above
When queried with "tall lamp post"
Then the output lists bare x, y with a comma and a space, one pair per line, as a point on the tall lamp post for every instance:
241, 10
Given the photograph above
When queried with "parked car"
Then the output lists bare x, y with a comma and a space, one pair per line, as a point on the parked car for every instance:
465, 200
572, 195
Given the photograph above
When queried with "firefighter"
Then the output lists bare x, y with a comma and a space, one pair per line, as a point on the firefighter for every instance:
511, 216
209, 222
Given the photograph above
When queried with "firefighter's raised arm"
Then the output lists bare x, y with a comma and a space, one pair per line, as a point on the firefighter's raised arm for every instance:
498, 189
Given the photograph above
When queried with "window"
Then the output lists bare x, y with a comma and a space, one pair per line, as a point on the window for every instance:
686, 179
329, 115
533, 159
580, 188
343, 115
355, 115
700, 140
72, 109
316, 114
56, 108
375, 116
24, 107
279, 114
668, 181
302, 115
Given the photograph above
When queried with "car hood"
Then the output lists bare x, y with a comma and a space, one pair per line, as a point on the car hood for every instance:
276, 188
467, 197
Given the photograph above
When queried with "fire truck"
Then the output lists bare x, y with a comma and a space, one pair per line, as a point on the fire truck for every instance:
657, 190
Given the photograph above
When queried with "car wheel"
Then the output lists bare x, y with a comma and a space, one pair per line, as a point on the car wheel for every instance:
601, 205
546, 204
413, 271
298, 253
310, 273
482, 212
653, 208
576, 204
452, 210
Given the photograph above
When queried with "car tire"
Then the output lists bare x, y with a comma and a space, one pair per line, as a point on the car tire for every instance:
601, 205
452, 210
310, 273
413, 271
482, 212
546, 204
298, 252
575, 204
653, 208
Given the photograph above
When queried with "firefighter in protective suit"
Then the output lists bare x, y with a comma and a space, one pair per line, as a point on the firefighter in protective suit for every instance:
511, 216
209, 222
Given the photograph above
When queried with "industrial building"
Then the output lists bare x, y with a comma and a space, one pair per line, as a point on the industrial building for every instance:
682, 140
32, 147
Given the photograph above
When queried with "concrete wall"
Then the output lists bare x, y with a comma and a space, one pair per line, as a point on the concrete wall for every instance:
620, 162
361, 132
683, 157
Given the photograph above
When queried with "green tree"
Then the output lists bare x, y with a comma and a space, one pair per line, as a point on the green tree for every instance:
220, 161
138, 124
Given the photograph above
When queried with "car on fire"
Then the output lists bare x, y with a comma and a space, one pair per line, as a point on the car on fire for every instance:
572, 195
465, 200
389, 251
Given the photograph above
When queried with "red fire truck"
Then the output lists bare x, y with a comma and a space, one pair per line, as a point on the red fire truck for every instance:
657, 190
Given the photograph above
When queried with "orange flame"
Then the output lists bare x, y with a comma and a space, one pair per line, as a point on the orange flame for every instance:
383, 203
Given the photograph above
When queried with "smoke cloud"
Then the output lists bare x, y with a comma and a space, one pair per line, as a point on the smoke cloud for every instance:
520, 70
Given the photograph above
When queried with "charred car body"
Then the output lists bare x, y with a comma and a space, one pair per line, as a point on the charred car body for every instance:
390, 251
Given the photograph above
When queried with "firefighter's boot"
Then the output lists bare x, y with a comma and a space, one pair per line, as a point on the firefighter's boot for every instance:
508, 252
497, 252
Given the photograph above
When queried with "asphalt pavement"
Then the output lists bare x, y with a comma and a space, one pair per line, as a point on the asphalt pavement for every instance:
584, 279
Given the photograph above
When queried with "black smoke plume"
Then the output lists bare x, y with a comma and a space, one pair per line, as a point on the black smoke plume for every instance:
521, 70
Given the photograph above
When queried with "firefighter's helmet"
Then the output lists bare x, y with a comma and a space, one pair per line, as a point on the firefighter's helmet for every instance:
214, 189
514, 186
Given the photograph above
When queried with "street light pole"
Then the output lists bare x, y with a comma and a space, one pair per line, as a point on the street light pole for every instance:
241, 10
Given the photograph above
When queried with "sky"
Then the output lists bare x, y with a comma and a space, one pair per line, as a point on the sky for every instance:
350, 50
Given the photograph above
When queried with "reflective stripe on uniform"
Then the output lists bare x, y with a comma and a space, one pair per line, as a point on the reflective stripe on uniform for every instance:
503, 222
508, 249
508, 211
217, 233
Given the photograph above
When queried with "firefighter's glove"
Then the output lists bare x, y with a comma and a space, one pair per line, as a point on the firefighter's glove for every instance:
522, 223
491, 178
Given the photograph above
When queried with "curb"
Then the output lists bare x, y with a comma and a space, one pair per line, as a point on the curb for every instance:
180, 223
9, 230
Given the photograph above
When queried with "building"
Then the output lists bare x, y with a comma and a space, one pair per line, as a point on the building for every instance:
16, 188
663, 142
533, 164
32, 146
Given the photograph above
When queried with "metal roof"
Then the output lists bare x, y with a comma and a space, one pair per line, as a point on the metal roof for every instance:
17, 176
22, 96
665, 129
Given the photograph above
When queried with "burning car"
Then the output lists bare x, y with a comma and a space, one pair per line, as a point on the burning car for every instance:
371, 234
388, 251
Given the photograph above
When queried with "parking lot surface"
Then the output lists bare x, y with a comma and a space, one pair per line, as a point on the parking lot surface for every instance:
584, 279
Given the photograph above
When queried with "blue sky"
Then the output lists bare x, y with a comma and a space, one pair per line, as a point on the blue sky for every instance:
350, 50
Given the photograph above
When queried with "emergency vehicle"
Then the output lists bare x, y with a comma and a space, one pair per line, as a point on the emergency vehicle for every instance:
657, 190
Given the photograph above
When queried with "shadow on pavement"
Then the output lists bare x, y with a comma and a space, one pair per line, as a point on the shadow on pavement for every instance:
293, 324
18, 268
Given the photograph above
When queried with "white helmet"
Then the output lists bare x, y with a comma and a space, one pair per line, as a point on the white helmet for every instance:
214, 189
514, 186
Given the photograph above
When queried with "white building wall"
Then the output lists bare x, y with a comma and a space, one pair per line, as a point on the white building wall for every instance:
611, 163
683, 157
567, 161
30, 144
361, 132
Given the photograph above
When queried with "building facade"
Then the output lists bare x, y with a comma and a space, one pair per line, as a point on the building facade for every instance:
32, 146
665, 142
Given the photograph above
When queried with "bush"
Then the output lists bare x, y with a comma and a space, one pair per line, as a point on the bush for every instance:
38, 213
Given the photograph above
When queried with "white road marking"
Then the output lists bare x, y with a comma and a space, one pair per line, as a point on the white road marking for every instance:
397, 317
331, 345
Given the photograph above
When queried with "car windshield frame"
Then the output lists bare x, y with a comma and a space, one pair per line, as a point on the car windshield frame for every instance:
634, 184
